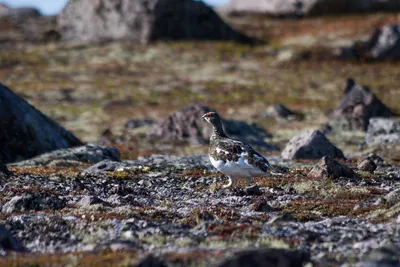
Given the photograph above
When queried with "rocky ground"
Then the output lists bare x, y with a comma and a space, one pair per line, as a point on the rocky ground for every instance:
160, 202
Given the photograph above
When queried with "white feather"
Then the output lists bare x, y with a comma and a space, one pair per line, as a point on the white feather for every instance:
240, 168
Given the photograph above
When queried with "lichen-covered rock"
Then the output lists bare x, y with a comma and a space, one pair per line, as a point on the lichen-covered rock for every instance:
330, 168
383, 131
306, 7
310, 145
188, 125
356, 108
367, 165
33, 201
142, 21
8, 242
87, 153
267, 257
25, 132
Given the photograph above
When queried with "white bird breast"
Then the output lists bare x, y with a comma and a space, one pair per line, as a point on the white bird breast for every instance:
240, 168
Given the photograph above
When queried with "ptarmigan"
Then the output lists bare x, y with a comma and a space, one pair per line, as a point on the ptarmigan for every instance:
231, 157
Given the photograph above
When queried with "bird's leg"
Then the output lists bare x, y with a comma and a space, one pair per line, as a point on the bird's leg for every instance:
229, 184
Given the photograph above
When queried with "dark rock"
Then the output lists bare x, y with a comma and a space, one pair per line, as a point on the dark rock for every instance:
142, 21
87, 153
267, 257
383, 131
105, 166
367, 165
25, 132
379, 162
252, 190
310, 145
261, 205
33, 201
299, 8
330, 168
384, 44
280, 112
187, 124
8, 242
356, 108
151, 261
4, 172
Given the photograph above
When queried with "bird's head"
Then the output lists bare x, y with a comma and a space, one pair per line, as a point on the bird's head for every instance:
211, 117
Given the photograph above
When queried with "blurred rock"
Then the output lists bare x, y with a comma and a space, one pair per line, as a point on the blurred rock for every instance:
133, 124
330, 168
299, 8
355, 109
384, 44
188, 125
23, 13
367, 165
383, 131
393, 197
25, 132
381, 257
143, 21
280, 112
267, 257
88, 201
151, 261
87, 153
8, 242
311, 144
33, 201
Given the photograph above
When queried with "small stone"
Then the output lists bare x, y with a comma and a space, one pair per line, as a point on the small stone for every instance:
88, 201
330, 168
33, 201
393, 197
285, 217
367, 165
261, 205
253, 190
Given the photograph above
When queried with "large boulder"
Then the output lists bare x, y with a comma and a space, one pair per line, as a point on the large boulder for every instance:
187, 124
310, 145
306, 7
20, 13
26, 132
88, 153
357, 106
142, 21
384, 44
383, 131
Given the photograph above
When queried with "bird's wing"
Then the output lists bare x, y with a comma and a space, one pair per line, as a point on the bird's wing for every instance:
233, 150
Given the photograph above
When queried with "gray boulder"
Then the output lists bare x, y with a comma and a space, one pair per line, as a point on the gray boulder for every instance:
188, 125
330, 168
306, 7
280, 113
383, 131
8, 242
355, 109
25, 132
20, 13
310, 145
143, 21
87, 153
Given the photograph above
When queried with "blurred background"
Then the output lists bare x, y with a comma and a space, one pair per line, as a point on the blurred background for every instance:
111, 72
